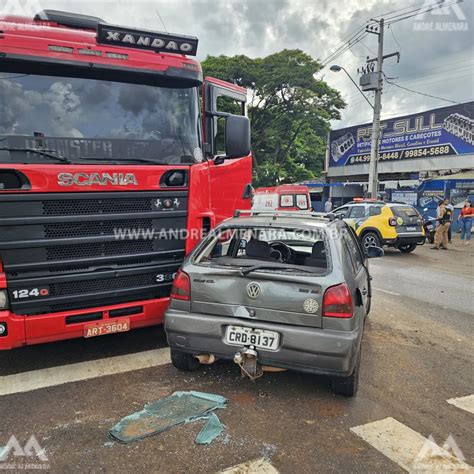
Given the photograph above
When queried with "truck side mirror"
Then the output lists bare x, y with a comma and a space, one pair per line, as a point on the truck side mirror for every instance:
237, 136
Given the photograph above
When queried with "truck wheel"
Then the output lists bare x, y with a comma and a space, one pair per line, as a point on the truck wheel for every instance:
183, 361
407, 248
347, 386
370, 239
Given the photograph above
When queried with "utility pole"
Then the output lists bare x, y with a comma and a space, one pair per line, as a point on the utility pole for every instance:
375, 142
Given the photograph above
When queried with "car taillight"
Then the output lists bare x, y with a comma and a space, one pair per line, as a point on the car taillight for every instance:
337, 302
181, 287
392, 221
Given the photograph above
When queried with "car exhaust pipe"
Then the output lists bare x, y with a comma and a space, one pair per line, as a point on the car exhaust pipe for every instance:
247, 360
269, 368
206, 359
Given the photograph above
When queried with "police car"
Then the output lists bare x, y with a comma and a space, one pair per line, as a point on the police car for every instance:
379, 223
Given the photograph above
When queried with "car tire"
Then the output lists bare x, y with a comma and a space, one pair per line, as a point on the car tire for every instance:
431, 237
183, 361
347, 386
370, 239
407, 248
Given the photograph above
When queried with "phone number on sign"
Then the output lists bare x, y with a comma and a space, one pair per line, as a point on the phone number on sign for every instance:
412, 153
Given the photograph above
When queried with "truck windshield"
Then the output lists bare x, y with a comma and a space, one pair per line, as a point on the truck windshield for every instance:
80, 118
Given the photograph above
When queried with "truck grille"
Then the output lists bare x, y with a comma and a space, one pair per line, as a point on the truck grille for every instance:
64, 245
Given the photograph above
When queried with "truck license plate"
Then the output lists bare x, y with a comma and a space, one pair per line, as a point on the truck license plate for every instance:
260, 338
411, 228
107, 327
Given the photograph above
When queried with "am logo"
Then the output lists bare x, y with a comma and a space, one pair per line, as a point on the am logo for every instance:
31, 449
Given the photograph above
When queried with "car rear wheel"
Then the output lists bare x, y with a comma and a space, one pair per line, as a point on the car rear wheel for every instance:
183, 361
407, 248
347, 386
370, 239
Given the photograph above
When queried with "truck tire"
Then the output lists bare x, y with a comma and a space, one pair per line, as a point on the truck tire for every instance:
183, 361
407, 248
347, 386
370, 239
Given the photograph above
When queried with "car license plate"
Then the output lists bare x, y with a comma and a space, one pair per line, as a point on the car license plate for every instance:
260, 338
411, 228
429, 226
107, 327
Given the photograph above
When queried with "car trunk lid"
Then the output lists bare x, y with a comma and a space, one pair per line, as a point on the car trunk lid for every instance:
408, 220
265, 295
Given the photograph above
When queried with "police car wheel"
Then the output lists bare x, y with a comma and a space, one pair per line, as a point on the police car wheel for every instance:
407, 248
370, 239
183, 361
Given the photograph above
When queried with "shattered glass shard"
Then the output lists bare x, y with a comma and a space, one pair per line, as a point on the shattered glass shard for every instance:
210, 431
160, 415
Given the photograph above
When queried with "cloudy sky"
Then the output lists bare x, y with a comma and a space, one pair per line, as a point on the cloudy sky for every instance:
437, 54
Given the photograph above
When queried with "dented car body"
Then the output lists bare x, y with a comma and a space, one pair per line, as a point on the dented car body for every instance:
274, 291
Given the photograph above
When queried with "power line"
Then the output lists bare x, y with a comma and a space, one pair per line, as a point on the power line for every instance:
443, 78
398, 10
395, 38
348, 46
161, 19
422, 93
396, 19
343, 46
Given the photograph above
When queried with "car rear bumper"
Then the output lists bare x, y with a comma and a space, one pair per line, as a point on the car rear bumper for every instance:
406, 239
303, 349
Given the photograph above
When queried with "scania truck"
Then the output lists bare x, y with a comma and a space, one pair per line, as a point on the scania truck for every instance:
115, 157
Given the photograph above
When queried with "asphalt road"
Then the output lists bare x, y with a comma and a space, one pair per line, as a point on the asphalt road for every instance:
417, 354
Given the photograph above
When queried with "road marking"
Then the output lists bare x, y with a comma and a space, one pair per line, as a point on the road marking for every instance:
257, 466
386, 291
409, 449
464, 403
53, 376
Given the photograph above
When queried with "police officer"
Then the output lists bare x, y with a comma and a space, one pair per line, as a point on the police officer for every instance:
445, 215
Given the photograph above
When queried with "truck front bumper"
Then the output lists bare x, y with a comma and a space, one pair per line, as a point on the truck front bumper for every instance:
39, 329
303, 349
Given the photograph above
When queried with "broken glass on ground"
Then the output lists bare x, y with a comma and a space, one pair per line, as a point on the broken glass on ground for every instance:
210, 431
178, 408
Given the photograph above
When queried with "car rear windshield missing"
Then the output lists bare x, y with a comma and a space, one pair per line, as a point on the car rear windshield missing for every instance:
267, 248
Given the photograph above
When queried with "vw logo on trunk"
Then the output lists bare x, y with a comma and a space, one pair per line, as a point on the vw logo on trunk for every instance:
253, 290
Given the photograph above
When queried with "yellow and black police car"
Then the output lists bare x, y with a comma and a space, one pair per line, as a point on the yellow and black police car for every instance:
379, 223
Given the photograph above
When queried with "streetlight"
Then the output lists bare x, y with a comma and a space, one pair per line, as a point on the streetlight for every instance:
336, 68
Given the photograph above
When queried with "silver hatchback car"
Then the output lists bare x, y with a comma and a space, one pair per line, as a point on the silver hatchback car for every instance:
274, 291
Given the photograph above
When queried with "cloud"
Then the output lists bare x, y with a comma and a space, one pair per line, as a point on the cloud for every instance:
435, 62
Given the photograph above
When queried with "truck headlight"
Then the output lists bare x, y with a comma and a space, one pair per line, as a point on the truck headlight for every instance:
3, 299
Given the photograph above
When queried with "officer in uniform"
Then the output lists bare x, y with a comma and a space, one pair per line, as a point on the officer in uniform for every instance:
445, 215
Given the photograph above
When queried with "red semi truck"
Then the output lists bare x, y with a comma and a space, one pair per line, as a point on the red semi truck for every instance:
110, 171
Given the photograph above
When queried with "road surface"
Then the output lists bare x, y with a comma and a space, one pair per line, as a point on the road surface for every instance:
416, 382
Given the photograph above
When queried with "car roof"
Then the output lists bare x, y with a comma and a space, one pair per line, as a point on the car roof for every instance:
298, 219
375, 203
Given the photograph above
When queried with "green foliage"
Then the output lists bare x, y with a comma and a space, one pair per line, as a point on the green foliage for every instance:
289, 110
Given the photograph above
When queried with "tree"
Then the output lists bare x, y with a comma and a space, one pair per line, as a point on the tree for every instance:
289, 111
